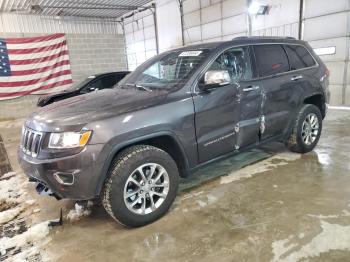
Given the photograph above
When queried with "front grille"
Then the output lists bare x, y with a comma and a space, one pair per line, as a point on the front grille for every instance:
31, 142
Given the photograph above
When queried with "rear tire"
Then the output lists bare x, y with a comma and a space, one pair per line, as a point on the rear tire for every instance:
306, 130
141, 186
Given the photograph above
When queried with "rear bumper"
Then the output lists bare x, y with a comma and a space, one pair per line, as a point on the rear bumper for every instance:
74, 177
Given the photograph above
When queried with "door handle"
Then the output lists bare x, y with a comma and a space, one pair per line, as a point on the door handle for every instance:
250, 88
295, 78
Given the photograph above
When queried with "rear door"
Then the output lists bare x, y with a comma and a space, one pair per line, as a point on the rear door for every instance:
277, 89
303, 71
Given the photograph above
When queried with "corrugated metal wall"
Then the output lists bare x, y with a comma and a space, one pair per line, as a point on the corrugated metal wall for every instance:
281, 20
140, 38
16, 23
169, 24
215, 20
327, 25
206, 20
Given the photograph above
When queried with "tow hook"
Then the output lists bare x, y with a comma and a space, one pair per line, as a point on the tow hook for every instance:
43, 190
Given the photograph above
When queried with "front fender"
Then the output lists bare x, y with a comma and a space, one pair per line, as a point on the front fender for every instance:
112, 148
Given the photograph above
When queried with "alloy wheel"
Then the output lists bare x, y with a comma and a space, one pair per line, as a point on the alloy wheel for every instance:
310, 129
146, 188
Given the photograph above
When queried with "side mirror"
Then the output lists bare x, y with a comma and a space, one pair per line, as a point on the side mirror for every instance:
215, 78
92, 88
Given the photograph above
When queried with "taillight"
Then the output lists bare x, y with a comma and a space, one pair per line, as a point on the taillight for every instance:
327, 72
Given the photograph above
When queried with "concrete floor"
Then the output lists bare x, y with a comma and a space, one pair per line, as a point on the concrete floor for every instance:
264, 205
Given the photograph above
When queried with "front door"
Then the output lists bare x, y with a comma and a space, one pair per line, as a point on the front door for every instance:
223, 112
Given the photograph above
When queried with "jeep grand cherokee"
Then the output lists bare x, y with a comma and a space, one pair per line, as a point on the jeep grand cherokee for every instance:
179, 110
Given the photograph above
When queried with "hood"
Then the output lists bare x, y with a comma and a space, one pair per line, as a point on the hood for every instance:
73, 113
46, 99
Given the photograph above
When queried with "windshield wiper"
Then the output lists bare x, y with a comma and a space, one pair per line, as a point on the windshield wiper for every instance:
140, 87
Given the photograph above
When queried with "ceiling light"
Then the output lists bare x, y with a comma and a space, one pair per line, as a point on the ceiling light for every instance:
257, 9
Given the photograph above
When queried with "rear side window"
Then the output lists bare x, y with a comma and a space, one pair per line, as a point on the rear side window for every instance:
271, 59
299, 57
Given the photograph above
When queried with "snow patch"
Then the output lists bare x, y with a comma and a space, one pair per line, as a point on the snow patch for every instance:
201, 203
8, 215
14, 201
211, 199
33, 235
263, 166
12, 189
190, 195
9, 174
30, 202
12, 194
79, 211
37, 210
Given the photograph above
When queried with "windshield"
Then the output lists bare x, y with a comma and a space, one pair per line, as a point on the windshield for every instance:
80, 85
166, 71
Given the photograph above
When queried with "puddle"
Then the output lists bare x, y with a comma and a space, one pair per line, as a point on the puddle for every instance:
222, 168
331, 237
279, 159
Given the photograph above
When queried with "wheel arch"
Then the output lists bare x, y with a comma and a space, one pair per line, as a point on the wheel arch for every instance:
166, 141
317, 100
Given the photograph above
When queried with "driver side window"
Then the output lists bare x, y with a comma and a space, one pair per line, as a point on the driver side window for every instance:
236, 61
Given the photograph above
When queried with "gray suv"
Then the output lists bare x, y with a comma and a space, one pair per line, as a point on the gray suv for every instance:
178, 111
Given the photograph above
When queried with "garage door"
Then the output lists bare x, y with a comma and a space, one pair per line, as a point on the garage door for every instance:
140, 38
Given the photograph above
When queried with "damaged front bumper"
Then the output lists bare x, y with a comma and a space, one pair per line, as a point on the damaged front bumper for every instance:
74, 177
42, 189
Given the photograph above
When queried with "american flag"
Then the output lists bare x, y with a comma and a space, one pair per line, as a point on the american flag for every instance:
34, 65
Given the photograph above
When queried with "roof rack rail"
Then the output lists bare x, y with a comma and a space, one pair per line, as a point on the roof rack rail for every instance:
240, 37
263, 37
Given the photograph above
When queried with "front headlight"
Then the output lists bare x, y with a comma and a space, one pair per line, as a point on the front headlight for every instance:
69, 139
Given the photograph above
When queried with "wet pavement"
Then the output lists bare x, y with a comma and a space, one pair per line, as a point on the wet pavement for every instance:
263, 205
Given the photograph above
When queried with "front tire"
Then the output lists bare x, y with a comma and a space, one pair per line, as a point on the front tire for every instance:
307, 130
141, 186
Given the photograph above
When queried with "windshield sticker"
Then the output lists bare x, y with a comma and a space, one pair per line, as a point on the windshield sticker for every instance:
190, 53
91, 77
